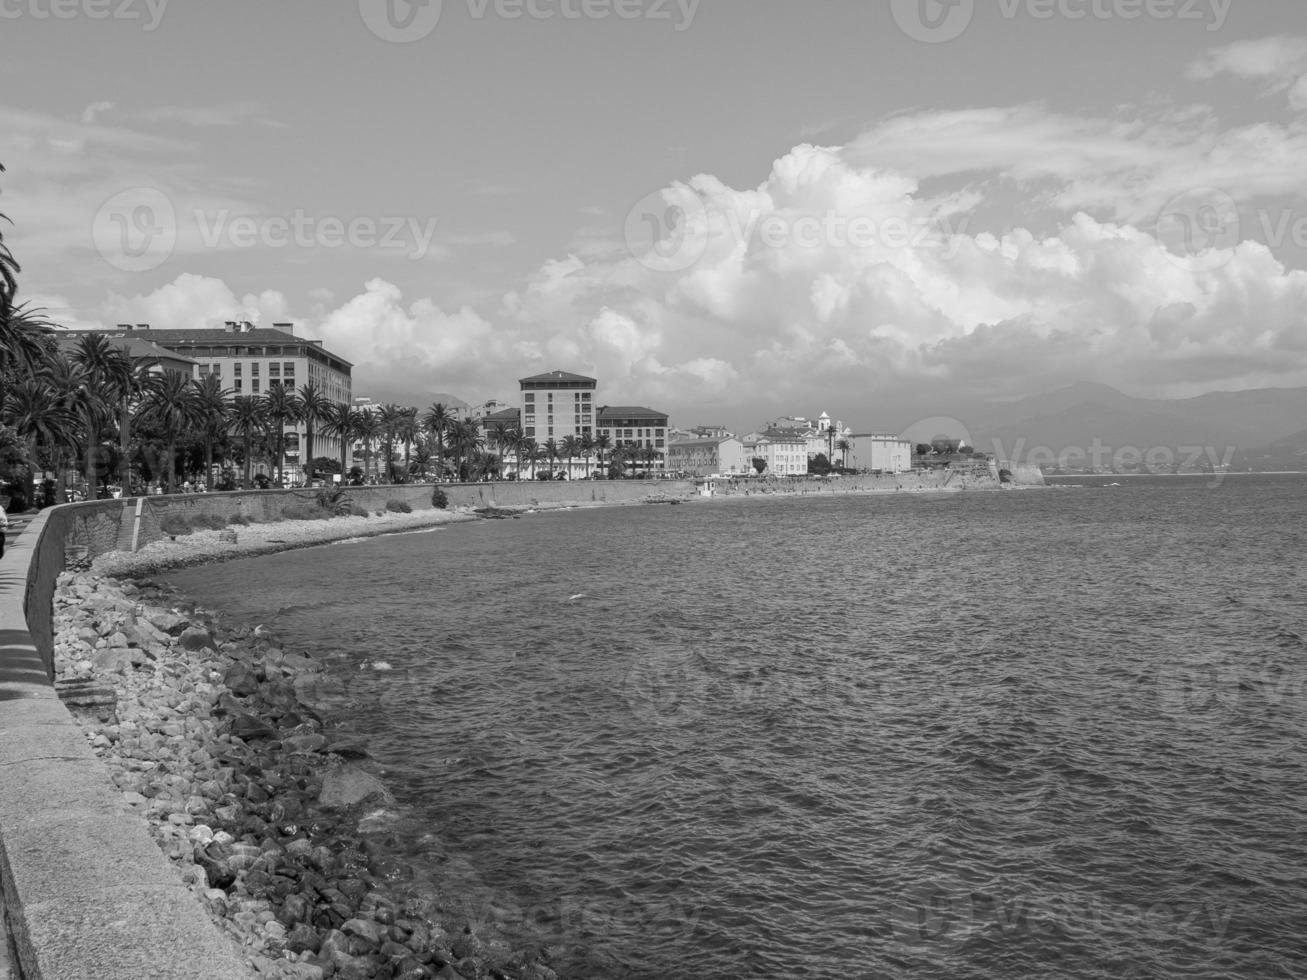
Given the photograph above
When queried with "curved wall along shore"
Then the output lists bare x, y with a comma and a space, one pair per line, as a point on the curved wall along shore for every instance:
85, 893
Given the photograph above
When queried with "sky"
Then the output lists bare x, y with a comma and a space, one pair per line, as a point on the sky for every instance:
729, 210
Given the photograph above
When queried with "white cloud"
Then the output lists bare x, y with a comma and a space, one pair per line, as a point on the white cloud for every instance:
1279, 63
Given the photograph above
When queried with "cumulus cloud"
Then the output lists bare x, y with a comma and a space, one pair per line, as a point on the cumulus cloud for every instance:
831, 280
1279, 63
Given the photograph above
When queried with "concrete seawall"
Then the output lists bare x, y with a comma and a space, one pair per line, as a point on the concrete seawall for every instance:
85, 893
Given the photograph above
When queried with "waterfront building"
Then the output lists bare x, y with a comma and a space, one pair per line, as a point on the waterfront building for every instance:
879, 451
785, 451
637, 429
557, 405
708, 457
128, 337
250, 360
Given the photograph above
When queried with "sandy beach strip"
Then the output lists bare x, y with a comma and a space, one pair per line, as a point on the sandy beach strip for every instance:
202, 547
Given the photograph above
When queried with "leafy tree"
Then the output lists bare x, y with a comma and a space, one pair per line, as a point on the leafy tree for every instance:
759, 464
819, 465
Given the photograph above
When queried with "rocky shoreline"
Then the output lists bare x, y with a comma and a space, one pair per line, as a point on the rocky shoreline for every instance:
212, 737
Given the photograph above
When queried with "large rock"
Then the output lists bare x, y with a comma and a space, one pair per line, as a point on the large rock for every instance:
196, 638
169, 622
113, 659
246, 726
239, 679
348, 785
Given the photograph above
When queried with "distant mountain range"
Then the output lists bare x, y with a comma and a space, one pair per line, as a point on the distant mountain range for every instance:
1095, 426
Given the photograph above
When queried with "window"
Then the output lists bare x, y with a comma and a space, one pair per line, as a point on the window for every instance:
254, 369
254, 385
288, 369
530, 431
529, 397
236, 369
238, 383
274, 370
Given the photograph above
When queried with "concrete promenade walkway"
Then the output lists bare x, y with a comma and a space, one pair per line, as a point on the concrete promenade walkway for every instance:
87, 894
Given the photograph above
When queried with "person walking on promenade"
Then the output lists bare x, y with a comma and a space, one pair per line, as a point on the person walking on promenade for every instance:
4, 526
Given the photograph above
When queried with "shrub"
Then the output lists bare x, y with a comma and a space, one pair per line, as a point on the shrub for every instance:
398, 507
239, 519
356, 511
335, 501
438, 499
211, 521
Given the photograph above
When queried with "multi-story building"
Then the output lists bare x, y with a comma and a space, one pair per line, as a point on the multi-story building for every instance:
252, 360
557, 405
635, 428
785, 451
879, 451
708, 457
128, 337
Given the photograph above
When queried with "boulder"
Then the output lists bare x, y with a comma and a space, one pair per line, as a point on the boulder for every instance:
240, 680
169, 622
349, 785
195, 638
246, 726
112, 659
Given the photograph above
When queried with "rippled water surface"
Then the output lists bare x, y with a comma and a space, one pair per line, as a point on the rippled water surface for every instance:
989, 735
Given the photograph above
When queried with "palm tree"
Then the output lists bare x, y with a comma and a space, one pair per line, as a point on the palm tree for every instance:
587, 447
617, 461
571, 448
249, 414
342, 422
389, 418
130, 396
368, 429
282, 407
107, 373
601, 443
552, 454
25, 337
212, 412
650, 456
466, 435
314, 406
437, 422
170, 406
844, 446
407, 431
528, 451
41, 421
502, 436
9, 269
